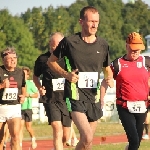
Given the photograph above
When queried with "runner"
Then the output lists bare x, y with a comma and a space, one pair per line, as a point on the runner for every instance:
51, 92
12, 93
85, 55
26, 108
131, 75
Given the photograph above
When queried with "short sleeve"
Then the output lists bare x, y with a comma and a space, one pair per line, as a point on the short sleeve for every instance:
61, 49
23, 79
115, 68
107, 61
147, 63
38, 67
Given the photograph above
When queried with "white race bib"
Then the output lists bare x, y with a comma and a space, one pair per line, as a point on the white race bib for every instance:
136, 107
10, 94
58, 84
88, 79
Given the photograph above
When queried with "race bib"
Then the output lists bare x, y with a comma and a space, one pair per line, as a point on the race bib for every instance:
10, 94
88, 79
58, 84
136, 107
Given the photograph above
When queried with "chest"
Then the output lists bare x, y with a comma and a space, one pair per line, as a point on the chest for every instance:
15, 79
88, 55
133, 70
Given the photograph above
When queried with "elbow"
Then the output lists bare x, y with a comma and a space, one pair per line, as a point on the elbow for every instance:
49, 63
36, 95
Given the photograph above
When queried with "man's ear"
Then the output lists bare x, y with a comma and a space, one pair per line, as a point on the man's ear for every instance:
80, 21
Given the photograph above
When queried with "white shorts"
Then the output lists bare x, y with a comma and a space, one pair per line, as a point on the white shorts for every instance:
9, 112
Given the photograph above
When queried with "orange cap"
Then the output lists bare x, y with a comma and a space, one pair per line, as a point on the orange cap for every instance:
135, 41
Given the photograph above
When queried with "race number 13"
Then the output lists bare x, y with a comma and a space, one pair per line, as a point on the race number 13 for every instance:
88, 79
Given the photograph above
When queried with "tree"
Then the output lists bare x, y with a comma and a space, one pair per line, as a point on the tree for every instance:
17, 35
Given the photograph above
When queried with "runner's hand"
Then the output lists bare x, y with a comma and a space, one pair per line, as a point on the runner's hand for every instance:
6, 83
72, 76
42, 91
110, 82
21, 99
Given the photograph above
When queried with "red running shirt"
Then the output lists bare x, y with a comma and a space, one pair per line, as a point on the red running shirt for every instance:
131, 79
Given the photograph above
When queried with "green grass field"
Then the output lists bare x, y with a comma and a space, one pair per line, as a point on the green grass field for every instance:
44, 131
145, 145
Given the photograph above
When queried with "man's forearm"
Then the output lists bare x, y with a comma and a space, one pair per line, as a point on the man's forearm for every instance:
103, 89
56, 68
108, 76
37, 82
23, 90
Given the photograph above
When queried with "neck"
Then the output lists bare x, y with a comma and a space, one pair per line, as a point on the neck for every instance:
129, 58
88, 38
9, 68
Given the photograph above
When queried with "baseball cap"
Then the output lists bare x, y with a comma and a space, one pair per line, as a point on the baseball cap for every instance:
135, 41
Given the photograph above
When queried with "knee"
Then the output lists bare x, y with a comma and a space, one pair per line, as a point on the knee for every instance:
28, 128
57, 132
15, 138
87, 139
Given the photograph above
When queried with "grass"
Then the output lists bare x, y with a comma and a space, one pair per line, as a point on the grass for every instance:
44, 131
145, 145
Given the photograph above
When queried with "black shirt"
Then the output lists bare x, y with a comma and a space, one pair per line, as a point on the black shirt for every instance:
86, 57
17, 80
41, 68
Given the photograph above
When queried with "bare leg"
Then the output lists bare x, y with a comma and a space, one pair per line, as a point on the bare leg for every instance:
31, 132
14, 129
85, 129
29, 129
66, 134
6, 134
2, 126
21, 131
57, 135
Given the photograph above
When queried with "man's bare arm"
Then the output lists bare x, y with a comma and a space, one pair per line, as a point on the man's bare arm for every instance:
108, 76
52, 63
37, 82
103, 90
71, 76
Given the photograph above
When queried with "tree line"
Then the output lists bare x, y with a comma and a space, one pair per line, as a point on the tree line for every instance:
29, 32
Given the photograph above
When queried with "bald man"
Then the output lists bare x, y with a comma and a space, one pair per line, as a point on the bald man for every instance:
51, 92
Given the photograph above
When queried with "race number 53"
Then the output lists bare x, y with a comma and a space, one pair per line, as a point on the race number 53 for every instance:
88, 79
58, 84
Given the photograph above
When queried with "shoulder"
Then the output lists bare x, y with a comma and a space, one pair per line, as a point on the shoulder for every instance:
30, 82
147, 58
73, 37
115, 63
102, 41
147, 62
43, 57
18, 70
1, 69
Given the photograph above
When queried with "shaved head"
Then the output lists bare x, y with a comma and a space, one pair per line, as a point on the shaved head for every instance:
55, 38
